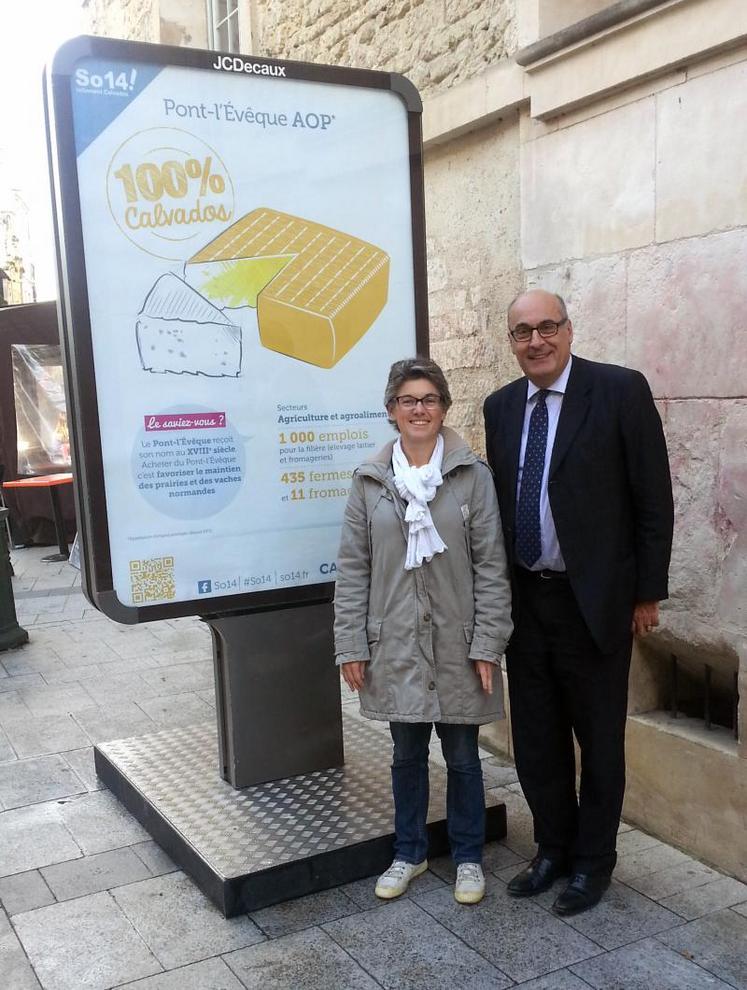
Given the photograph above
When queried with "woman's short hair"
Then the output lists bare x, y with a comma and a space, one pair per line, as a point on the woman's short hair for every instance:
410, 369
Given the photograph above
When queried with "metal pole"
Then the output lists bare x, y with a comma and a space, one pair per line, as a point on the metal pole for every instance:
11, 634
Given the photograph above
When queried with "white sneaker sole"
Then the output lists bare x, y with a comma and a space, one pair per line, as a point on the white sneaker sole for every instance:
389, 893
469, 896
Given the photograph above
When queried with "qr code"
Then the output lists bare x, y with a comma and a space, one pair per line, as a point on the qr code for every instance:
152, 580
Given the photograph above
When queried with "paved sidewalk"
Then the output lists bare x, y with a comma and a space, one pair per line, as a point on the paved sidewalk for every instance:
90, 902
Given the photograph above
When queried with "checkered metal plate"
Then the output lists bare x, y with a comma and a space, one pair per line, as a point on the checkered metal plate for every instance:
242, 832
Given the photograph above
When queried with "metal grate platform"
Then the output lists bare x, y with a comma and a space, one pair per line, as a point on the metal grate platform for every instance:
250, 848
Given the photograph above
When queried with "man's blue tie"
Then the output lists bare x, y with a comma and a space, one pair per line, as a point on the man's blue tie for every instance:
528, 533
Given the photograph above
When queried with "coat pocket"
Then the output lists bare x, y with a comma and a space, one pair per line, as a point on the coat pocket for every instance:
469, 631
373, 631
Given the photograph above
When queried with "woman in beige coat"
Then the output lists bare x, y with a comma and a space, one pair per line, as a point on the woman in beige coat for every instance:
422, 616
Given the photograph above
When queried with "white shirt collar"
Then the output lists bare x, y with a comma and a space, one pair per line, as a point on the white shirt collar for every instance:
559, 385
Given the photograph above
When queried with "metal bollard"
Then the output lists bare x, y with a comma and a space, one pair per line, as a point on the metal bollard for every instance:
11, 634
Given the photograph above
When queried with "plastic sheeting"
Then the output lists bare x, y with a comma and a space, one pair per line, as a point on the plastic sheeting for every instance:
41, 414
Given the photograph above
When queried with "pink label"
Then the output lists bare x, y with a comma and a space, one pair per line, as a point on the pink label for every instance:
186, 421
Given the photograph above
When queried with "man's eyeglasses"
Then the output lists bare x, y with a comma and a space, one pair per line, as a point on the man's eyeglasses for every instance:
547, 328
429, 401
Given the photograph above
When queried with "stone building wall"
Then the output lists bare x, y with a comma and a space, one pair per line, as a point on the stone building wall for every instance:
437, 43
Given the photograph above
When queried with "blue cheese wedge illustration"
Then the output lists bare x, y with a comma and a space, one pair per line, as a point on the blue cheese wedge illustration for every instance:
179, 332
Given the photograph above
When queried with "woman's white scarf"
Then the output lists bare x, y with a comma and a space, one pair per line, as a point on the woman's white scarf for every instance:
418, 485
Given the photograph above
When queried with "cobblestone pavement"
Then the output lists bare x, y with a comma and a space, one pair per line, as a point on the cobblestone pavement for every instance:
90, 902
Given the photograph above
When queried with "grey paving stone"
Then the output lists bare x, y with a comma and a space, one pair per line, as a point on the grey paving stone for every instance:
303, 912
623, 915
362, 891
15, 969
84, 944
12, 707
98, 822
24, 892
32, 781
710, 897
520, 837
179, 924
517, 937
401, 945
645, 965
634, 841
180, 678
175, 710
81, 760
115, 721
56, 700
93, 873
157, 861
14, 682
208, 697
33, 837
212, 974
123, 687
65, 674
308, 960
48, 734
497, 772
507, 873
740, 909
563, 979
673, 880
7, 753
650, 860
717, 942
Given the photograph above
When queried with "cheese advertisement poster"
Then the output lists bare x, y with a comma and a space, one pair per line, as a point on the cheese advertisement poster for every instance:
248, 249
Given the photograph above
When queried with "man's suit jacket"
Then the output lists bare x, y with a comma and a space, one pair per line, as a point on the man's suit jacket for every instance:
609, 488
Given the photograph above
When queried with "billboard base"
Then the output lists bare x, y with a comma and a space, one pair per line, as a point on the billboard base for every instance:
248, 849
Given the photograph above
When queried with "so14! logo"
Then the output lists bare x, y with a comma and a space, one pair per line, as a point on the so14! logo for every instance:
108, 82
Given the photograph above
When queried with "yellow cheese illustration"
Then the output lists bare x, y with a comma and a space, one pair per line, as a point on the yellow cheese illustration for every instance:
316, 290
179, 332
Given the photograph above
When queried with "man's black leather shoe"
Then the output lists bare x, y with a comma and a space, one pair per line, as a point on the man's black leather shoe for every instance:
540, 875
583, 892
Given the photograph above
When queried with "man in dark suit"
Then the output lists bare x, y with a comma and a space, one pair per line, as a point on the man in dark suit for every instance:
582, 476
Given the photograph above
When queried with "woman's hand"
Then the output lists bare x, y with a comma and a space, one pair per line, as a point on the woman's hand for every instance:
484, 670
353, 673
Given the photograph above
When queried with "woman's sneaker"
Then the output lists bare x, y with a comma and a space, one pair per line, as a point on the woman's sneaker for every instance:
396, 879
470, 883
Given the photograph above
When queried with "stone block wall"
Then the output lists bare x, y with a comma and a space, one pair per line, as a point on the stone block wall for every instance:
436, 43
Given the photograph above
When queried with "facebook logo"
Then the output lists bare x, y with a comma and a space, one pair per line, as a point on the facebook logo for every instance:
204, 587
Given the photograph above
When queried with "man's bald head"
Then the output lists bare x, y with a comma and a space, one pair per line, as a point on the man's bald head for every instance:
542, 294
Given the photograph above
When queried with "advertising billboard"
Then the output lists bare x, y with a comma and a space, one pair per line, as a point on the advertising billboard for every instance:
241, 247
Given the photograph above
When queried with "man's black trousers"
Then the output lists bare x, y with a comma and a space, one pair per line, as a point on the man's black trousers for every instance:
560, 685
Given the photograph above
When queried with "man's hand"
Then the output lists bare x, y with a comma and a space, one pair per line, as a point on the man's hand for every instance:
484, 670
645, 618
353, 673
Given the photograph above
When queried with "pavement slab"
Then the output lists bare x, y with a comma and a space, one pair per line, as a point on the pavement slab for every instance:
14, 966
81, 760
157, 861
518, 937
24, 892
55, 700
178, 710
709, 897
45, 778
212, 974
303, 912
84, 944
402, 945
12, 707
94, 873
562, 979
40, 736
623, 915
7, 753
674, 880
646, 965
179, 924
119, 720
308, 960
97, 822
34, 837
717, 942
649, 860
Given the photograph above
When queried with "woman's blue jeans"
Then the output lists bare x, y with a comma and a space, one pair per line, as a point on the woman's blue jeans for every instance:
465, 797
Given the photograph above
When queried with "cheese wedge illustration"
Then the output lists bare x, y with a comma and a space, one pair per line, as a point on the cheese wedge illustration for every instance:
316, 290
180, 332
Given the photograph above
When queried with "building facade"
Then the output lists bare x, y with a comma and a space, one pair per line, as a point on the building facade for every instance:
17, 284
595, 149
